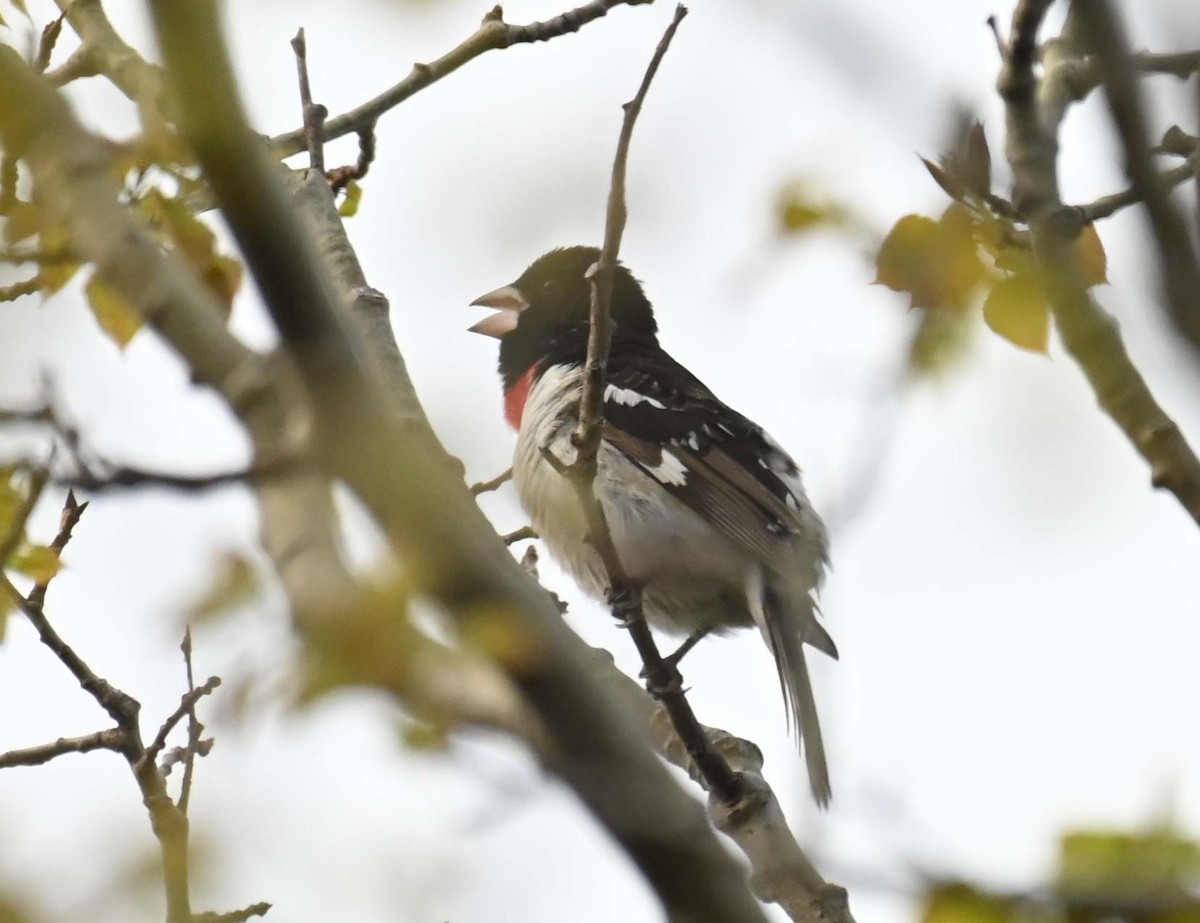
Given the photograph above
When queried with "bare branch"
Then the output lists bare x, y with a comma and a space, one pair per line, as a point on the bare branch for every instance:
195, 746
1109, 205
234, 916
186, 707
518, 535
483, 487
662, 676
314, 115
493, 33
110, 739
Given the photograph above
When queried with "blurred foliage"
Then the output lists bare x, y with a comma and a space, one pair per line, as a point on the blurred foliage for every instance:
19, 6
975, 253
1151, 876
19, 491
802, 207
156, 173
233, 582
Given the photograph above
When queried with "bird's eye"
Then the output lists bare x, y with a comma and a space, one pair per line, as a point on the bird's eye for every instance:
549, 285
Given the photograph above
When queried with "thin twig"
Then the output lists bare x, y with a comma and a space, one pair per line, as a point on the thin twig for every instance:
493, 33
1108, 205
110, 739
341, 177
233, 916
483, 487
187, 704
518, 535
195, 728
314, 115
662, 676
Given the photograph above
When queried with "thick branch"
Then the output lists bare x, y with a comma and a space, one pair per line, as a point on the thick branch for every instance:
1105, 37
1089, 334
493, 33
404, 477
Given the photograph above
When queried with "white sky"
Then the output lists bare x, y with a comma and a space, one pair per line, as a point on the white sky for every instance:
1017, 611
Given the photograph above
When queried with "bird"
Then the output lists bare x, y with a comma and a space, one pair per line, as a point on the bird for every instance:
707, 513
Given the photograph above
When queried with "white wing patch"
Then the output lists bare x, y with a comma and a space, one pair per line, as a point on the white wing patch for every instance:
670, 470
627, 397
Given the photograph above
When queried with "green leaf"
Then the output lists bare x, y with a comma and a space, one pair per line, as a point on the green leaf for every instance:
352, 201
37, 561
1016, 309
113, 313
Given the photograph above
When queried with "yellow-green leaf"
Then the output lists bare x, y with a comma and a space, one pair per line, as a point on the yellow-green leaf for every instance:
37, 561
352, 201
960, 903
224, 277
1091, 258
939, 341
24, 219
1016, 309
113, 313
936, 262
1102, 862
6, 606
234, 583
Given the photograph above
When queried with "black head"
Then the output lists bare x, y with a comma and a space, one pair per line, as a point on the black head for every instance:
552, 297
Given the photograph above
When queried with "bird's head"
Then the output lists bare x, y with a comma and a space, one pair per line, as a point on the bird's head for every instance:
552, 297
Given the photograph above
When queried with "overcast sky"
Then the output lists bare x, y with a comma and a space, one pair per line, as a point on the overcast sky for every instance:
1018, 613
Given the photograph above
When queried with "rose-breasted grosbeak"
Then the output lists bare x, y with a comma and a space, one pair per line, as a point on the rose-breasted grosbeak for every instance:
707, 513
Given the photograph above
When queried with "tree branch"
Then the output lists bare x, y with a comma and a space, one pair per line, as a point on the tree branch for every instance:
662, 677
169, 824
1090, 335
404, 477
110, 739
1104, 36
493, 33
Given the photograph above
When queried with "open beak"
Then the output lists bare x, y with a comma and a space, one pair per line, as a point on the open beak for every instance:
509, 303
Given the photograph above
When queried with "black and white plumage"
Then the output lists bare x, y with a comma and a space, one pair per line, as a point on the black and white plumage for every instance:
707, 512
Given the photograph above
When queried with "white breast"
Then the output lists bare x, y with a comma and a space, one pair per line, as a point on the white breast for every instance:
648, 525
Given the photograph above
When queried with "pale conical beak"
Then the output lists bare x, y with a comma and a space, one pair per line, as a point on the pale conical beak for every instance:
509, 303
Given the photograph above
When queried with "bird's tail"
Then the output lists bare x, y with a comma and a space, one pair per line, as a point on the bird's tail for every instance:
787, 621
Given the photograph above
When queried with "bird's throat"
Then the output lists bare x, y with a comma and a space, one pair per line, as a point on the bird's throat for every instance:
516, 394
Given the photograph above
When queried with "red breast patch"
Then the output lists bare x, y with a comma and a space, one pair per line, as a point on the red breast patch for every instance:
516, 394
